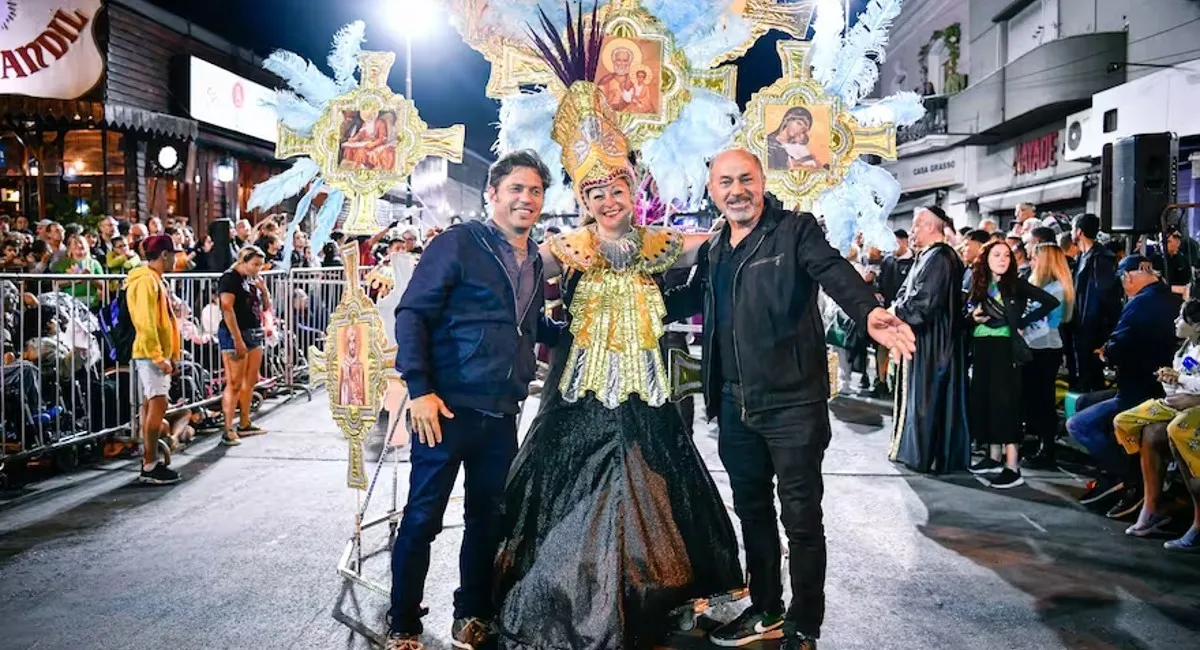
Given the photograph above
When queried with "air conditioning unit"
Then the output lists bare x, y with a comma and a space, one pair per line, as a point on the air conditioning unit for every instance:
1083, 140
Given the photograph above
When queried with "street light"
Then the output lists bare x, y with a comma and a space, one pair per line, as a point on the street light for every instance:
225, 175
412, 18
224, 172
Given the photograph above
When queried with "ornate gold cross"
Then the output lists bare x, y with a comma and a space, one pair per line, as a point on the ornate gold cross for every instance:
355, 367
368, 141
805, 136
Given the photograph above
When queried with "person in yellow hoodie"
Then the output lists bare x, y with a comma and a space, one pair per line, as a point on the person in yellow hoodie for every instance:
156, 349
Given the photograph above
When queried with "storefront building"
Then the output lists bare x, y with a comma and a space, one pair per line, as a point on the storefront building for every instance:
934, 178
121, 108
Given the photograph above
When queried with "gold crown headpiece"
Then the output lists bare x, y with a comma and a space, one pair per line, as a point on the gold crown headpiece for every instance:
595, 149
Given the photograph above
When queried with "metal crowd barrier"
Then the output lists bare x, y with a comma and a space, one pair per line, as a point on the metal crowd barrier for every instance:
63, 390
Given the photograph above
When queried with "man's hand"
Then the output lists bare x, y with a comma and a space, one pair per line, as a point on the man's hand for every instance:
891, 332
425, 413
164, 367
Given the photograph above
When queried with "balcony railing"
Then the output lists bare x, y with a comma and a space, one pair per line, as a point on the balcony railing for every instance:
934, 122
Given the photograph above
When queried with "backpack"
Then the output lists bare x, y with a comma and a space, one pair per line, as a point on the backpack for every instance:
121, 332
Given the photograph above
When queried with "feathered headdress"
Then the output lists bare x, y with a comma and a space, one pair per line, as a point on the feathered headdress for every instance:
594, 149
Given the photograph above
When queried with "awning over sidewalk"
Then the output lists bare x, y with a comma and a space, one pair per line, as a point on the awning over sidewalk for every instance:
1060, 190
28, 113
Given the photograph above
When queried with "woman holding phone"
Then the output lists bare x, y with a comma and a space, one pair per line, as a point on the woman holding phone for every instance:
243, 297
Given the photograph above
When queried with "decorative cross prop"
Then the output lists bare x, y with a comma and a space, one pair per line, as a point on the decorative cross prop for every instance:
368, 141
356, 366
806, 137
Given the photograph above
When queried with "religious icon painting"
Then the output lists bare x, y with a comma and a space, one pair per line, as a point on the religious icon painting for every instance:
355, 367
630, 75
805, 136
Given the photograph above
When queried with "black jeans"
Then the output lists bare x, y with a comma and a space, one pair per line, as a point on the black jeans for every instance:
1089, 367
485, 446
1038, 379
754, 460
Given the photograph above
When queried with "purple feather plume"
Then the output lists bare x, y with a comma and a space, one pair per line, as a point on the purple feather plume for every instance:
574, 56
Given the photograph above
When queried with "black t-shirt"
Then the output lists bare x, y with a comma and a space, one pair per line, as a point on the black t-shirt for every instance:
247, 303
729, 258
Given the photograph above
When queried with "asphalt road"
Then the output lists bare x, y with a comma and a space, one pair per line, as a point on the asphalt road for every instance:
243, 554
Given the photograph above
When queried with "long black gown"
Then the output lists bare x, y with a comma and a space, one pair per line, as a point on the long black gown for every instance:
611, 520
931, 433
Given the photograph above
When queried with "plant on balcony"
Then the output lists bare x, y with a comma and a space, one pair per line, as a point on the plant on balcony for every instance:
951, 37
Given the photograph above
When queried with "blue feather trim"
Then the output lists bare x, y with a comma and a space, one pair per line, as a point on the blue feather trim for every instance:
327, 218
295, 113
902, 109
857, 63
281, 187
861, 203
289, 241
678, 158
343, 58
303, 77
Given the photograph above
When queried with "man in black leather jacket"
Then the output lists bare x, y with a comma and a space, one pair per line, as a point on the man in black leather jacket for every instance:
766, 379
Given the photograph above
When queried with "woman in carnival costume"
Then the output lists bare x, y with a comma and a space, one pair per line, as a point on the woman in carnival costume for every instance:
611, 519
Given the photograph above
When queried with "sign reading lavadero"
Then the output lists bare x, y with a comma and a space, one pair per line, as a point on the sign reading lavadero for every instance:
48, 48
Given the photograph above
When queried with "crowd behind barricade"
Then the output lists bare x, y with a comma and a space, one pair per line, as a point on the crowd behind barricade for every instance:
1064, 347
77, 387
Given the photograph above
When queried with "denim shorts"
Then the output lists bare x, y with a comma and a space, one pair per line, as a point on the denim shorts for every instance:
252, 337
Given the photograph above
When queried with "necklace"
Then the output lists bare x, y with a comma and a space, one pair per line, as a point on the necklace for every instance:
620, 253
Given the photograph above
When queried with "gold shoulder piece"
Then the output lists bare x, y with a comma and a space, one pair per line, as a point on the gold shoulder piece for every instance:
661, 248
574, 250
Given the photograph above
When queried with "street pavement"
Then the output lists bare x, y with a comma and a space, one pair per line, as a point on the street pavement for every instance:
243, 554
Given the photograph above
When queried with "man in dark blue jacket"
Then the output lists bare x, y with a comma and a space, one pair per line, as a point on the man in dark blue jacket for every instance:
1142, 342
465, 330
1097, 301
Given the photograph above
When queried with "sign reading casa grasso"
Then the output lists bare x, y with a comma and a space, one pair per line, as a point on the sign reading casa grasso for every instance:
48, 48
930, 171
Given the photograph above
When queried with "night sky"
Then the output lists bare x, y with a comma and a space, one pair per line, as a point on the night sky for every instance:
448, 76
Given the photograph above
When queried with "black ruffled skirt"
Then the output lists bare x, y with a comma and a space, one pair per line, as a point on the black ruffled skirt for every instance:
611, 521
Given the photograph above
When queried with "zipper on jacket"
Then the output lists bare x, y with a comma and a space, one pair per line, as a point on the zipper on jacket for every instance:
737, 359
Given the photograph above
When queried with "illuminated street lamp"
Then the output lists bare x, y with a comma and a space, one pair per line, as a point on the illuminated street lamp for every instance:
225, 175
412, 19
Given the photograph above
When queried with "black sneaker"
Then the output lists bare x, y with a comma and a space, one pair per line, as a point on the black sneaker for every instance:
1130, 502
751, 626
251, 429
470, 633
987, 466
1040, 461
1100, 489
160, 475
798, 642
1007, 479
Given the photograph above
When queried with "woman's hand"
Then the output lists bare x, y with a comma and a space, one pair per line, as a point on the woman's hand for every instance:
978, 316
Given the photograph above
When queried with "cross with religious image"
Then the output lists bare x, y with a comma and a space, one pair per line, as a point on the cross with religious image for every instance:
368, 141
805, 136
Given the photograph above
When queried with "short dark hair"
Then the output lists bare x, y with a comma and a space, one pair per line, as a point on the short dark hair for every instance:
1043, 234
510, 162
1088, 224
941, 215
72, 229
1065, 241
1175, 234
965, 230
999, 235
980, 236
900, 233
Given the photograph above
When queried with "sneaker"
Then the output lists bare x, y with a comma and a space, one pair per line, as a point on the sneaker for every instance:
751, 626
1152, 526
470, 633
1040, 461
251, 429
1099, 489
404, 642
1184, 544
1131, 501
160, 475
987, 466
798, 642
1007, 479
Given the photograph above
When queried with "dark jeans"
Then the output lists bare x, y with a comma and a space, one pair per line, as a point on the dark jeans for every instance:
754, 459
1041, 413
1093, 428
1088, 366
485, 446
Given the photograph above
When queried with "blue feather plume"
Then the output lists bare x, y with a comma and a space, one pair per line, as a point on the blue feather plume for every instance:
678, 158
280, 187
704, 48
902, 109
289, 240
857, 63
302, 76
862, 203
828, 26
525, 123
343, 58
327, 218
295, 113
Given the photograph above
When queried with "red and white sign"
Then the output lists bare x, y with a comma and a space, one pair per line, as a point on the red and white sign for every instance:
221, 98
48, 48
1036, 154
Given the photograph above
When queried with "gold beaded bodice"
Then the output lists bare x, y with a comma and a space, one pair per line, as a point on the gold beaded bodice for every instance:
616, 316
